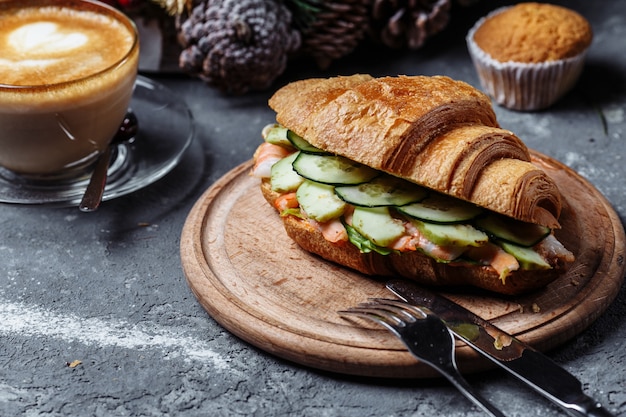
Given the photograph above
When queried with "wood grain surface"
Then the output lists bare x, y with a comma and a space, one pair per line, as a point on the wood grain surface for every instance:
253, 280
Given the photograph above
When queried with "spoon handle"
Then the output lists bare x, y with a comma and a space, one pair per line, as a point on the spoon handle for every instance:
93, 195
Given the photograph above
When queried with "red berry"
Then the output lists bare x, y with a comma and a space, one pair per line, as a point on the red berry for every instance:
129, 3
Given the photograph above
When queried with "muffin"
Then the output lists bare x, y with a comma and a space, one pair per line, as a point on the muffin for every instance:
529, 55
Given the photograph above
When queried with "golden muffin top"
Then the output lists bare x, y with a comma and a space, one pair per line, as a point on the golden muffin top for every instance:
533, 33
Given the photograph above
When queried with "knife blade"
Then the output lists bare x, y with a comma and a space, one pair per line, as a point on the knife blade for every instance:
522, 361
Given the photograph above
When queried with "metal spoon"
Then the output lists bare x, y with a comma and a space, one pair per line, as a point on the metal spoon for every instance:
95, 189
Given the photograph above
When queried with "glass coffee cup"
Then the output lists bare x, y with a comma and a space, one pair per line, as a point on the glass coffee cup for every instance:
67, 74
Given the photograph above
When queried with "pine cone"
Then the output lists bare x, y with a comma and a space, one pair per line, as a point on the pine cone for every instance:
237, 45
334, 29
408, 23
467, 3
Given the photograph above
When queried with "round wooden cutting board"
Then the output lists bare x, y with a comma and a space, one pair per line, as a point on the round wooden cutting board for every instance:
259, 285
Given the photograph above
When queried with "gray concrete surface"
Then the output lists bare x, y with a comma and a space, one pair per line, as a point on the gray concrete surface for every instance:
107, 288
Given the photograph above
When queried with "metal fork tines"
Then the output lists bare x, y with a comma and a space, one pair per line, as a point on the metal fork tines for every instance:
427, 338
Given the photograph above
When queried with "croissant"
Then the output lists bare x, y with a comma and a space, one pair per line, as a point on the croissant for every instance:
435, 132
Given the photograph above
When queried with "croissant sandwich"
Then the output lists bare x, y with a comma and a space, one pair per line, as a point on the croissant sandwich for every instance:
412, 177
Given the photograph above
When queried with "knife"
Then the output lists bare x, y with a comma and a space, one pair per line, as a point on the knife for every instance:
527, 364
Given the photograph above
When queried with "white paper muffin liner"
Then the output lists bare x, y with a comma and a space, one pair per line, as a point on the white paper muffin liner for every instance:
523, 86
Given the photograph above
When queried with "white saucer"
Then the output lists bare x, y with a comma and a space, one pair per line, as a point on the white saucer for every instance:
165, 132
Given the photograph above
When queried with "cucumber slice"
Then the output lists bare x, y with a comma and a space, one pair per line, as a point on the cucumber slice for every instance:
438, 208
277, 135
527, 257
452, 234
319, 201
283, 177
511, 230
303, 145
332, 169
364, 244
376, 224
385, 190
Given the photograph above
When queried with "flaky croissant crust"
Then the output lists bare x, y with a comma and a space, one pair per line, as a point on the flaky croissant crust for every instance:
434, 131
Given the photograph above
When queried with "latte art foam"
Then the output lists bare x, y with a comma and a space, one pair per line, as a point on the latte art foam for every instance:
45, 38
67, 71
51, 45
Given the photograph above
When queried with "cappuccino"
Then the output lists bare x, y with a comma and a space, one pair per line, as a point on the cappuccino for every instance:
67, 72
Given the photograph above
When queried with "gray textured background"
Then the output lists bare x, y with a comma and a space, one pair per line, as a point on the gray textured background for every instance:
107, 288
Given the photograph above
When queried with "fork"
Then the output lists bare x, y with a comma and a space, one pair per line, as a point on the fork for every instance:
427, 338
